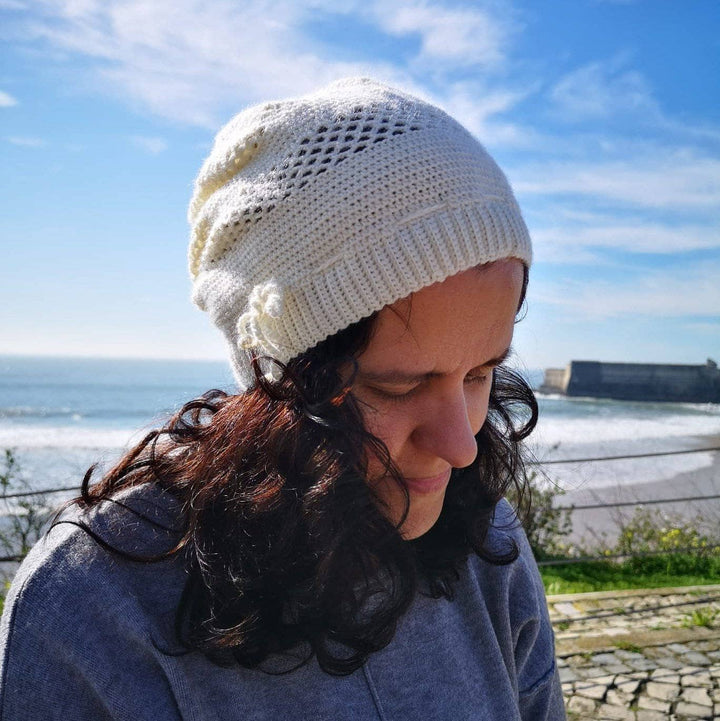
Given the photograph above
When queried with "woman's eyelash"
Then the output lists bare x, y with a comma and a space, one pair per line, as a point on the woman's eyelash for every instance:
387, 395
478, 378
404, 395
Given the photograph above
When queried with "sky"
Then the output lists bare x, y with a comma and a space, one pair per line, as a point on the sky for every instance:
604, 114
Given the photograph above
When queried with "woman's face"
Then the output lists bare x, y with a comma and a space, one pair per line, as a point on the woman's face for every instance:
424, 382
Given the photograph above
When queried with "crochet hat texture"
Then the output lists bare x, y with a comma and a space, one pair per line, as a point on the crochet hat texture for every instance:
315, 212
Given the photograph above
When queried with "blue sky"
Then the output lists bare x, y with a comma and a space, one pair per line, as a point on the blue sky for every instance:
604, 114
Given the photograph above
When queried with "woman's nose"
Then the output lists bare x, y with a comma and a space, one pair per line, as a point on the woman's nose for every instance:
448, 431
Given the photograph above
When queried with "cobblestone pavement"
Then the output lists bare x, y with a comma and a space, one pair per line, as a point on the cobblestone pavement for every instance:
639, 655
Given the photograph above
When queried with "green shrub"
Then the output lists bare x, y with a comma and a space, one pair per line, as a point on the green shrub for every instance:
652, 530
547, 527
660, 549
22, 520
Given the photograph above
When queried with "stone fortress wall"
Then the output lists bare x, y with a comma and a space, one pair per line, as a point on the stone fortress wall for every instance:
636, 381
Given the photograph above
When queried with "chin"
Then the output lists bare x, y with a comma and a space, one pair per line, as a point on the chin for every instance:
420, 519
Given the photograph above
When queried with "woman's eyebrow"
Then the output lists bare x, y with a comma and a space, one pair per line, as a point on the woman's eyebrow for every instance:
498, 360
401, 377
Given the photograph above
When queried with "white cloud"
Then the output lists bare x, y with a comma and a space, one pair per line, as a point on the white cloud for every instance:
480, 110
581, 243
705, 327
655, 201
610, 91
601, 90
7, 100
152, 145
669, 293
675, 179
25, 141
201, 62
464, 36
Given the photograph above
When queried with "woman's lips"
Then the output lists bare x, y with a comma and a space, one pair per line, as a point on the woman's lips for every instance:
429, 484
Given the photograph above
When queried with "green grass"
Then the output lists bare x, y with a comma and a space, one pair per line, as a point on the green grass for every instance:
651, 572
701, 617
627, 646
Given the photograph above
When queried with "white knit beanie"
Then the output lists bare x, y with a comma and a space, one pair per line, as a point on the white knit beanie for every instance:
315, 212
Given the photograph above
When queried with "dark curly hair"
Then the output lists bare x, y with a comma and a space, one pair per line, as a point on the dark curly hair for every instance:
286, 548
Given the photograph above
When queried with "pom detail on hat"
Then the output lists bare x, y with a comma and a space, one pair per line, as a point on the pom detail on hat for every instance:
257, 327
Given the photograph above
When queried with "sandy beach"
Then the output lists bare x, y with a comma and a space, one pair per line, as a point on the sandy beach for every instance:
592, 524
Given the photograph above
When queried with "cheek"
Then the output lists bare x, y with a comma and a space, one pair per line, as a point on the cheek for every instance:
392, 427
477, 405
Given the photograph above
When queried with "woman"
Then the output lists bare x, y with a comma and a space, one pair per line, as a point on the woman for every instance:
330, 542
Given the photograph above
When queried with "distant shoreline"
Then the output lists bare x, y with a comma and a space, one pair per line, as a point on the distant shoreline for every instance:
698, 482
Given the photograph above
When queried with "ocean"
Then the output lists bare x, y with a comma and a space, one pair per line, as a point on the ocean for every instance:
60, 415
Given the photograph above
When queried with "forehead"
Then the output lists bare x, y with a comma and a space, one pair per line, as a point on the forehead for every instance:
466, 319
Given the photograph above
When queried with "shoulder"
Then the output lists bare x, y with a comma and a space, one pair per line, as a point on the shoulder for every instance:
515, 596
72, 575
505, 536
75, 608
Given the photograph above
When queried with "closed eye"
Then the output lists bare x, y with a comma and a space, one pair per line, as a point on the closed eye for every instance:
478, 378
394, 395
402, 394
